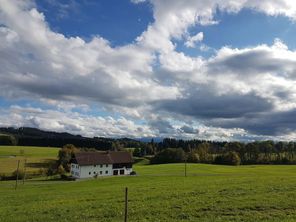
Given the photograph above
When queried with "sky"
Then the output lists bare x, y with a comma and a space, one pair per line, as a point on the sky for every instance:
192, 69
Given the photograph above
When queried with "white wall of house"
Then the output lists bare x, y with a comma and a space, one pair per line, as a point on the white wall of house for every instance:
127, 171
93, 170
75, 170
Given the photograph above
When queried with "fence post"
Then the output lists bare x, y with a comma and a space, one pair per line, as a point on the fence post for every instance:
125, 206
17, 173
185, 170
24, 177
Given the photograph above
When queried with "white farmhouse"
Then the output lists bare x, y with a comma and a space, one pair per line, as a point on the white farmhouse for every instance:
95, 164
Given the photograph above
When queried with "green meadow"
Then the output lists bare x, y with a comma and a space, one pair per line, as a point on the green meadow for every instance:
36, 158
159, 193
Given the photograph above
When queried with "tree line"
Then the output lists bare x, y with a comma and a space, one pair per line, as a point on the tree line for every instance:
220, 152
232, 153
26, 136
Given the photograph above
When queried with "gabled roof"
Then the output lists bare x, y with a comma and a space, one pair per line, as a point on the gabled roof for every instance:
121, 157
96, 158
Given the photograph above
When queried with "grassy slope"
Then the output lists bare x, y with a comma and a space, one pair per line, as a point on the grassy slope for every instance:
160, 193
37, 157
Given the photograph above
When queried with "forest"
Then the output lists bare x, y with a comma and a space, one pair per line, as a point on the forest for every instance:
167, 150
232, 153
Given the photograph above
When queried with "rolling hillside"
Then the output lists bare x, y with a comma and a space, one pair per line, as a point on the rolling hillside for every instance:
37, 158
160, 193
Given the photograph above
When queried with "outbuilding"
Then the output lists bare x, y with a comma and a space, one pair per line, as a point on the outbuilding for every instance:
96, 164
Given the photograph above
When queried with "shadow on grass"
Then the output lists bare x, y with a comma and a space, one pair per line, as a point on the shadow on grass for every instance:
46, 163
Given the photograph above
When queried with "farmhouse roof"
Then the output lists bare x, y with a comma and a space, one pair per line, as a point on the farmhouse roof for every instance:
95, 158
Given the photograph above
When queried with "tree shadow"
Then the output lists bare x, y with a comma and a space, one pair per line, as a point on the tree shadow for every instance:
44, 164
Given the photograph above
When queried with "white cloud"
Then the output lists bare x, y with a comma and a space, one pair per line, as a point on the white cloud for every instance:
192, 40
95, 69
147, 80
138, 1
72, 122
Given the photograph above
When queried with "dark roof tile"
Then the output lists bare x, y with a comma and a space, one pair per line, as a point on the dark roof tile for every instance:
96, 158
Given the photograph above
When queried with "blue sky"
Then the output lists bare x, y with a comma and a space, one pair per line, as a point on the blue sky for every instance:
244, 29
120, 22
150, 68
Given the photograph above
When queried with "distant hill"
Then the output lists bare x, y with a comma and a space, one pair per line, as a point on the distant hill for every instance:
27, 136
149, 139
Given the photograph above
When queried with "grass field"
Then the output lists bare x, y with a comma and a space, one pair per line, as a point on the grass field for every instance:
37, 158
160, 193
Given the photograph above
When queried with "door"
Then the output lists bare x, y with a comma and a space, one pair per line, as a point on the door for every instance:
115, 172
121, 172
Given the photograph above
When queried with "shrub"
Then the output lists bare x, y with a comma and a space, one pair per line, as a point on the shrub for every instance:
133, 173
64, 177
285, 160
61, 170
7, 140
169, 155
193, 157
203, 153
137, 152
65, 155
50, 171
2, 176
42, 171
229, 158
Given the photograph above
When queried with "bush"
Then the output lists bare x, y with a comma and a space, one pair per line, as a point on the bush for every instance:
8, 140
50, 171
43, 171
64, 177
193, 157
61, 170
65, 155
203, 151
229, 158
285, 160
2, 176
133, 173
137, 152
169, 155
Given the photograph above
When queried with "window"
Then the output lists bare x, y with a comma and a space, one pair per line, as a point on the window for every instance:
101, 165
106, 165
94, 172
101, 172
95, 165
89, 173
106, 172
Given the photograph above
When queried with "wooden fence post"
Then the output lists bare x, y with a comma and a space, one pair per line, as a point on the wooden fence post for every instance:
185, 170
25, 167
125, 206
17, 173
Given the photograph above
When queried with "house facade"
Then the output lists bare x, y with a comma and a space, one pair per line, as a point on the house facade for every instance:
96, 164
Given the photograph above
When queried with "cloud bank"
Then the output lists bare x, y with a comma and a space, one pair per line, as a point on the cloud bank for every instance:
155, 90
